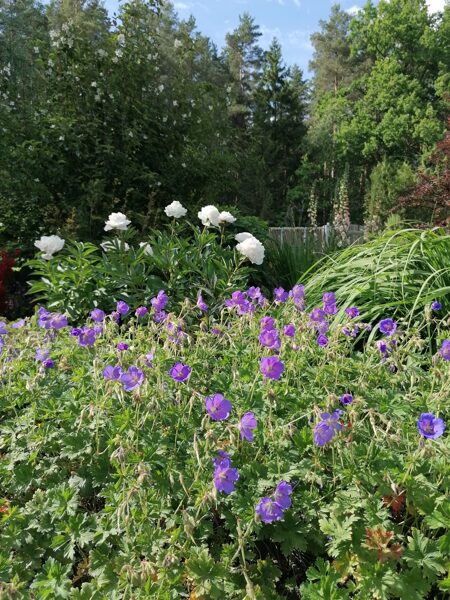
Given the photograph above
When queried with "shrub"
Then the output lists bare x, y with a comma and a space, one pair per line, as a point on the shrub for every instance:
182, 259
109, 487
397, 273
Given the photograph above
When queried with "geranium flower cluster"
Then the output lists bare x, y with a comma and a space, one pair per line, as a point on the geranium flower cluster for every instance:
272, 509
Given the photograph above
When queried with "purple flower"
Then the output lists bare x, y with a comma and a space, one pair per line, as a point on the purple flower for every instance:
122, 307
2, 344
132, 379
48, 364
330, 309
430, 426
297, 292
352, 312
254, 293
201, 304
58, 322
267, 324
112, 373
280, 295
160, 301
97, 329
115, 315
86, 337
76, 331
322, 340
268, 510
282, 495
317, 315
217, 407
18, 324
160, 316
269, 339
246, 426
327, 428
329, 298
382, 347
97, 315
322, 326
436, 305
42, 355
225, 476
3, 329
289, 330
388, 327
141, 311
346, 399
271, 367
122, 346
148, 359
44, 317
180, 372
445, 350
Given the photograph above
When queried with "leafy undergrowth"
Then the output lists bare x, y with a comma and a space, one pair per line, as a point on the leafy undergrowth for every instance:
109, 493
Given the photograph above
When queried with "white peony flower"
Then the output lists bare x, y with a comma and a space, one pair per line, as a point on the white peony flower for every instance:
114, 245
226, 217
147, 248
117, 221
252, 249
209, 215
241, 237
49, 244
175, 209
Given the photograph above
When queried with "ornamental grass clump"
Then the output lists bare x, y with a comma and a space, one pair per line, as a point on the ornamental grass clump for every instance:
153, 454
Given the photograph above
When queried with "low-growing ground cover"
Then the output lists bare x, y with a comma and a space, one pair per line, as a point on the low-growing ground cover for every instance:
258, 455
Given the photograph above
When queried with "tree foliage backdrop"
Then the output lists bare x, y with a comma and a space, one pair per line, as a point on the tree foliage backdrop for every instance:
135, 111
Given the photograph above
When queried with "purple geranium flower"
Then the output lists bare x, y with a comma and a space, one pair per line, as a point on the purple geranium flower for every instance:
267, 324
382, 347
254, 293
246, 426
58, 322
269, 339
436, 305
297, 292
44, 317
112, 373
218, 407
346, 399
430, 426
18, 324
180, 372
322, 340
76, 331
132, 379
225, 476
148, 359
141, 311
86, 337
42, 354
317, 315
327, 428
268, 510
160, 316
201, 304
282, 495
329, 298
48, 364
352, 312
388, 327
97, 315
122, 346
445, 350
271, 367
160, 301
330, 309
3, 329
280, 295
122, 307
289, 330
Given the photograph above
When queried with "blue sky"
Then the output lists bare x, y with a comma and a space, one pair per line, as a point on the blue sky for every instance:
291, 21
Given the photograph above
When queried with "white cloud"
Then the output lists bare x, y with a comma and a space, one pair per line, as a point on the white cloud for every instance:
297, 38
181, 6
297, 3
435, 5
353, 10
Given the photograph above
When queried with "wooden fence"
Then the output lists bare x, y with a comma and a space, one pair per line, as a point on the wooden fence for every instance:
297, 236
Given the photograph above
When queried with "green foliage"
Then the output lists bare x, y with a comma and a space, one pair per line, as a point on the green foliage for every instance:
109, 494
398, 273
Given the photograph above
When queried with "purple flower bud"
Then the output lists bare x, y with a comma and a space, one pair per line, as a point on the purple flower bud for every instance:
48, 364
322, 340
346, 399
289, 330
122, 346
141, 311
